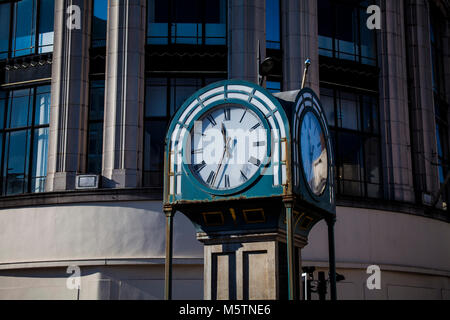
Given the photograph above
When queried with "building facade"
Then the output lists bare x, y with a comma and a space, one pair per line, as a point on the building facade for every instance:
88, 87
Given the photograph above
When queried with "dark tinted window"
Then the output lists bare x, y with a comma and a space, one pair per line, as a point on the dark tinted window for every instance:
343, 33
25, 134
99, 23
31, 29
354, 125
95, 128
186, 22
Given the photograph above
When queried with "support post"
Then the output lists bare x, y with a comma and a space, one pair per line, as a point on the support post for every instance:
332, 258
169, 212
290, 250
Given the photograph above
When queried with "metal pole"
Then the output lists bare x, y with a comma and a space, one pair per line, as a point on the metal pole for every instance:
290, 251
168, 263
332, 258
305, 72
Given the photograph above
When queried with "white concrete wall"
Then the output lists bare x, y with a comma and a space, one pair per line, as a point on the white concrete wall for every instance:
120, 249
369, 237
119, 282
120, 230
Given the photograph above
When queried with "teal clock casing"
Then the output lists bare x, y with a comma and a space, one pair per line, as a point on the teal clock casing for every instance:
257, 202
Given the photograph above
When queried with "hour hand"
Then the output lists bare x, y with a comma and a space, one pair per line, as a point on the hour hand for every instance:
224, 134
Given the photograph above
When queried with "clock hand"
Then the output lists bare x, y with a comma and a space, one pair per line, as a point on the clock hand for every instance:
221, 161
225, 139
229, 152
224, 133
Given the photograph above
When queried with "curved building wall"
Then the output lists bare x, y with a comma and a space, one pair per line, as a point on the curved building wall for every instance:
119, 244
119, 248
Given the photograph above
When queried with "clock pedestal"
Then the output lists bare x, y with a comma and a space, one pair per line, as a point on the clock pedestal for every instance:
248, 266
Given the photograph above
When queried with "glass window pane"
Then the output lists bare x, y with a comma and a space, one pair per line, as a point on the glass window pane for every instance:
181, 90
156, 98
19, 113
368, 50
212, 80
187, 18
372, 155
215, 34
441, 172
39, 161
325, 18
370, 114
350, 154
346, 31
46, 21
326, 28
273, 86
16, 162
158, 18
187, 33
374, 190
215, 18
273, 26
42, 109
24, 27
349, 111
186, 11
5, 13
351, 188
99, 23
95, 148
327, 99
154, 136
3, 104
97, 100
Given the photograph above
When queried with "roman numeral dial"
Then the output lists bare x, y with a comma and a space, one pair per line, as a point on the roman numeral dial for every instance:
230, 148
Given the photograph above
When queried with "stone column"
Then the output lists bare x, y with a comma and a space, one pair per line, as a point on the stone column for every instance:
124, 92
423, 123
249, 266
69, 97
300, 41
394, 115
246, 25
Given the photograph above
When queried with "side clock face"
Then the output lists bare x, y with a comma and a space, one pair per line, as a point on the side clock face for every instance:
314, 153
228, 147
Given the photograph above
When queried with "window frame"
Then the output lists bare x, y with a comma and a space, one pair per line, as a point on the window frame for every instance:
32, 128
171, 22
90, 122
93, 44
11, 54
362, 135
335, 53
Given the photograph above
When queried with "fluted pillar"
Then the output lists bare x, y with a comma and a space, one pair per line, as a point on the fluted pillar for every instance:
394, 113
246, 26
300, 42
69, 97
124, 92
423, 123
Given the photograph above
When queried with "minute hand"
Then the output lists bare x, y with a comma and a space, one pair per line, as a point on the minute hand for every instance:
225, 149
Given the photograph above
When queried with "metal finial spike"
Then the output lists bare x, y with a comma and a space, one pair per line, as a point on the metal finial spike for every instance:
305, 72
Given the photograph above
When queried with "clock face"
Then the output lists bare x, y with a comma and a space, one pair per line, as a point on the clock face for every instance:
228, 146
314, 153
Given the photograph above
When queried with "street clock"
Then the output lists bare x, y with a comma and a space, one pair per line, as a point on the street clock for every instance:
242, 163
235, 153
